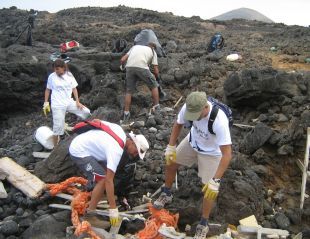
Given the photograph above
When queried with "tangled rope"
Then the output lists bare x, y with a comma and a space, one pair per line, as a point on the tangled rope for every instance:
157, 218
78, 204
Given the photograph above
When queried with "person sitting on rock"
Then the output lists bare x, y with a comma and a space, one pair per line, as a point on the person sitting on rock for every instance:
99, 155
137, 62
212, 153
62, 84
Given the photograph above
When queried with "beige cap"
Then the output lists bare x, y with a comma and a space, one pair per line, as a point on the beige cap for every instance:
195, 102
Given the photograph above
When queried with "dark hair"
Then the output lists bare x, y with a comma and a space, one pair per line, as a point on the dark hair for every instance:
59, 63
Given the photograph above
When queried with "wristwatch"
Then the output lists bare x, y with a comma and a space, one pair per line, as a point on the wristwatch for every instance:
217, 180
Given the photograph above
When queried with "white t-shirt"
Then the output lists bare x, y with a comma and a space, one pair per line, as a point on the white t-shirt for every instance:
141, 56
100, 145
61, 87
202, 140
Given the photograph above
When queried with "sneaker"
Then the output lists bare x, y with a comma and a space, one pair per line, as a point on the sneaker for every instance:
201, 231
170, 232
162, 200
95, 221
155, 109
126, 118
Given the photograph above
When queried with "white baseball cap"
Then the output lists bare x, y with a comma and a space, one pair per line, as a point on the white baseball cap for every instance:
141, 143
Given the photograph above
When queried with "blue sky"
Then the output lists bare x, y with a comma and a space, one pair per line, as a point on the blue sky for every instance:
289, 12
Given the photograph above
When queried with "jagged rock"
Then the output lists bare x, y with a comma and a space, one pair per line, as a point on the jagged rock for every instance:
282, 221
49, 226
252, 87
9, 227
58, 166
255, 139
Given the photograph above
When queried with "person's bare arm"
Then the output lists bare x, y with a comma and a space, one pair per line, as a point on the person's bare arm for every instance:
225, 160
176, 130
156, 70
109, 185
124, 59
47, 94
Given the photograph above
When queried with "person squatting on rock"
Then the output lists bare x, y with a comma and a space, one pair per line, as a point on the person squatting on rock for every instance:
137, 62
99, 155
211, 152
62, 84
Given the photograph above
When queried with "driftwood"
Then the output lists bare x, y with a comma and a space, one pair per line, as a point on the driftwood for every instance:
3, 193
42, 155
26, 182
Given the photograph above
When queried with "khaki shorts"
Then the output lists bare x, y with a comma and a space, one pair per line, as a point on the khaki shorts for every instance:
135, 73
187, 156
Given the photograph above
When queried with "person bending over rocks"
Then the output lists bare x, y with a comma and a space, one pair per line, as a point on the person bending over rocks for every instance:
137, 62
100, 155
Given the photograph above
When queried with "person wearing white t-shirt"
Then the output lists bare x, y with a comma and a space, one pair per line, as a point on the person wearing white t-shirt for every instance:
212, 153
138, 60
98, 155
62, 84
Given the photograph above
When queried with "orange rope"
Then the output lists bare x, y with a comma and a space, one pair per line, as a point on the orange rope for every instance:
78, 204
157, 218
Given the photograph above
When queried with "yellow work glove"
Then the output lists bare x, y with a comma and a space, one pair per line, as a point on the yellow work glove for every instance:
46, 108
211, 189
114, 217
170, 154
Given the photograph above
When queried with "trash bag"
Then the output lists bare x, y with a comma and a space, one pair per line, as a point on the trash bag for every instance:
147, 36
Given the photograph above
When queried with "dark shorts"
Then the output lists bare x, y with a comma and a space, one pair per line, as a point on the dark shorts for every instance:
135, 73
90, 167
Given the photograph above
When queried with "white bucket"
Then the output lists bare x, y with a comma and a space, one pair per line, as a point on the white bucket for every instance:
44, 135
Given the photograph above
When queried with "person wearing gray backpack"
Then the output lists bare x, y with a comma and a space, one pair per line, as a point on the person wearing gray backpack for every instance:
211, 151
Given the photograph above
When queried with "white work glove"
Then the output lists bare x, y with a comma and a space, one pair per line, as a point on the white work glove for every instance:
46, 108
114, 216
211, 189
170, 154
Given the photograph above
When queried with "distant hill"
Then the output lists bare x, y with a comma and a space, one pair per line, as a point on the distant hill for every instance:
243, 13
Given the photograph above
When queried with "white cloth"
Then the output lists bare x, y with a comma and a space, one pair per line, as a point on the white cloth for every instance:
100, 145
202, 140
141, 57
61, 87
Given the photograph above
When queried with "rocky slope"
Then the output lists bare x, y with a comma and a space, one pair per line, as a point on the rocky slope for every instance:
268, 90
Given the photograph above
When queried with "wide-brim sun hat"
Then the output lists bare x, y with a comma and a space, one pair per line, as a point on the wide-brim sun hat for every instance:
141, 143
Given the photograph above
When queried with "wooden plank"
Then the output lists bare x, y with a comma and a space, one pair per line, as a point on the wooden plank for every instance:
305, 170
3, 193
41, 155
262, 230
28, 183
100, 212
243, 126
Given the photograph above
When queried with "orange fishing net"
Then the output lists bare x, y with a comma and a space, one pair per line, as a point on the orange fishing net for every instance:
157, 218
78, 204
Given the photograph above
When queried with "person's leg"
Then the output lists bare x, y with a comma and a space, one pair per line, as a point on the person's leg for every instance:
58, 123
83, 113
150, 80
207, 166
186, 156
127, 102
155, 96
130, 88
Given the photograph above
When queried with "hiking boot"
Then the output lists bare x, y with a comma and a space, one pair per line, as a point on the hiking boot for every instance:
162, 200
201, 231
95, 221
